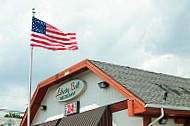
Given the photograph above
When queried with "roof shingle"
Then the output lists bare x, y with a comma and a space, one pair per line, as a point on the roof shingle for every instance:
149, 86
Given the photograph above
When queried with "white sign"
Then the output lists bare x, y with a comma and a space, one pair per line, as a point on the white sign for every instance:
72, 108
70, 90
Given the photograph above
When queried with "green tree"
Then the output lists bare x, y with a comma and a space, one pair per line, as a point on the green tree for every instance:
13, 115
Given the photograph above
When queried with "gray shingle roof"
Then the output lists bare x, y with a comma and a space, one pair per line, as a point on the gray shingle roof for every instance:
149, 86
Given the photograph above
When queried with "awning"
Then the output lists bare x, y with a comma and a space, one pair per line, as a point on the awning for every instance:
97, 117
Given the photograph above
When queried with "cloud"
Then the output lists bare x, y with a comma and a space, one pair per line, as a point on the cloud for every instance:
13, 97
174, 18
169, 64
149, 34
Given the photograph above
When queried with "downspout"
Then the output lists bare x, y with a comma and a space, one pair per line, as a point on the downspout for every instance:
161, 116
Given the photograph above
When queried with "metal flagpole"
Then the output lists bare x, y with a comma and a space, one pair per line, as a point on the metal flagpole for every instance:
30, 79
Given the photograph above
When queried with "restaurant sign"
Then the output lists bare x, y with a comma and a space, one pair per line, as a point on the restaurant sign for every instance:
72, 108
70, 90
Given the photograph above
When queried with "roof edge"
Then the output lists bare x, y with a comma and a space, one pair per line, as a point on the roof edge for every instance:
167, 107
66, 73
145, 70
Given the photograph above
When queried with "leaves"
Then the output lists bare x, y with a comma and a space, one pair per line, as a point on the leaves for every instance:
13, 115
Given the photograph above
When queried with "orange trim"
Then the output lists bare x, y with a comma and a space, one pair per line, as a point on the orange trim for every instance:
63, 73
168, 112
146, 120
134, 108
24, 119
130, 107
69, 72
180, 121
119, 106
61, 77
113, 83
47, 83
155, 112
35, 103
135, 104
138, 108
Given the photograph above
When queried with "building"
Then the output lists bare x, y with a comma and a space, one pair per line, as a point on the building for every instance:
9, 121
98, 93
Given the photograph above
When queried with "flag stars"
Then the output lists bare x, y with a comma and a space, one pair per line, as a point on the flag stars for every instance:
38, 26
49, 37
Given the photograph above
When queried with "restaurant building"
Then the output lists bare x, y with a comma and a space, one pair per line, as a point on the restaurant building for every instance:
94, 93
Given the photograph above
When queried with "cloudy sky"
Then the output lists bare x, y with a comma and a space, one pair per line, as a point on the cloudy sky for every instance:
149, 34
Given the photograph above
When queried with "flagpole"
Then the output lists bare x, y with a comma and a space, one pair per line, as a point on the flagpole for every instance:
30, 79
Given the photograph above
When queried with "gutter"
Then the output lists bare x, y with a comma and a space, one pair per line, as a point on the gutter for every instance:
160, 117
167, 107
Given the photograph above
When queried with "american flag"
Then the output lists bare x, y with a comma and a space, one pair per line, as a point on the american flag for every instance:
49, 37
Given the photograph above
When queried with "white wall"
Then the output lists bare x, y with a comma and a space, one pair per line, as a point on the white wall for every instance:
121, 118
92, 97
169, 123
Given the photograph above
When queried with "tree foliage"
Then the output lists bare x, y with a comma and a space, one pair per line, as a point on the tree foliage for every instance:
13, 115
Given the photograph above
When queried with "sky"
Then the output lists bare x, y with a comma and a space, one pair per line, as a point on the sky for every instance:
152, 35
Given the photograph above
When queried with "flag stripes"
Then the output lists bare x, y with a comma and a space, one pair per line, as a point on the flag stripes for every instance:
55, 49
35, 36
47, 36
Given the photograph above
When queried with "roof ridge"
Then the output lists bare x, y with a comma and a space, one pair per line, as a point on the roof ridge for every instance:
142, 70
